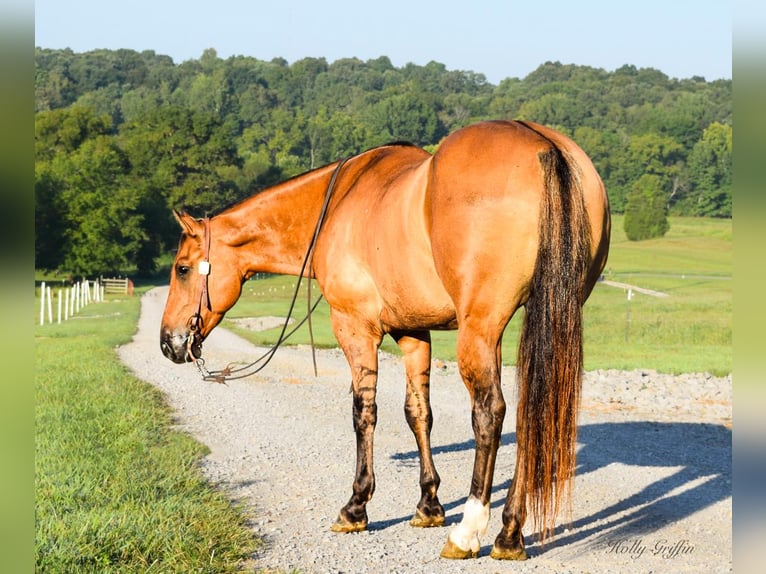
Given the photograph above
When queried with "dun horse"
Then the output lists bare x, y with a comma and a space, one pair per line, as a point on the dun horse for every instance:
503, 215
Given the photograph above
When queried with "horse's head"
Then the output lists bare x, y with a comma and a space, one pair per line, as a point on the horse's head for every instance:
205, 282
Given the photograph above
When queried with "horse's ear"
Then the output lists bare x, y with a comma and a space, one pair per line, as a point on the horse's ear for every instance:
186, 221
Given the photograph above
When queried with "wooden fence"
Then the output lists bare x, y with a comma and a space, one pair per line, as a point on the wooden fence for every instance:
115, 285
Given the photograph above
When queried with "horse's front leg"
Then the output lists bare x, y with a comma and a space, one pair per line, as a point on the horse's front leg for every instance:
361, 350
416, 351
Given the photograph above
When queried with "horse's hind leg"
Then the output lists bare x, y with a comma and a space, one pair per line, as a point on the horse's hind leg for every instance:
416, 350
479, 362
509, 544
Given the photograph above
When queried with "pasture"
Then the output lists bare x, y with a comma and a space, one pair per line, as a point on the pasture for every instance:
690, 330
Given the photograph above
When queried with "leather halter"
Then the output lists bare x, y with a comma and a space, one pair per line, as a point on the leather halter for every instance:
203, 269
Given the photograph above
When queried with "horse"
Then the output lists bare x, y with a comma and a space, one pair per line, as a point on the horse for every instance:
504, 214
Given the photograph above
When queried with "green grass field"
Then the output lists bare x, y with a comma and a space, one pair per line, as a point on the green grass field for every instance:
688, 331
116, 490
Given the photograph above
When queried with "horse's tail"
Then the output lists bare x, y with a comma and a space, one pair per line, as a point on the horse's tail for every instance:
549, 367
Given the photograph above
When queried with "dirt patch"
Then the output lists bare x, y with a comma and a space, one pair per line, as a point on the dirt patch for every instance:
260, 323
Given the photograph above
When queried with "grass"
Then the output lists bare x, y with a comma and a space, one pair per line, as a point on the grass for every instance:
688, 331
116, 489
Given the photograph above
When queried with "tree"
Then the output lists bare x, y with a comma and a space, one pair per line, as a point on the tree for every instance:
182, 153
50, 224
105, 229
646, 211
709, 171
404, 117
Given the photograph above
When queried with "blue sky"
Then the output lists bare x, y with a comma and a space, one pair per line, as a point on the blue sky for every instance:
499, 38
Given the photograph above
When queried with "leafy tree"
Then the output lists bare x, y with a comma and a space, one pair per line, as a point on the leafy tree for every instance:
404, 117
50, 226
183, 153
646, 212
709, 171
105, 230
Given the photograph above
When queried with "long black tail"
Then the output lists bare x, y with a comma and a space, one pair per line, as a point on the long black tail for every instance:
550, 356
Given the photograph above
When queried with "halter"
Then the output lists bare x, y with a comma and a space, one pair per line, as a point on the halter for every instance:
195, 323
203, 269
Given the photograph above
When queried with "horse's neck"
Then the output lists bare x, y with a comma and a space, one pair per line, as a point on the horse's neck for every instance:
272, 230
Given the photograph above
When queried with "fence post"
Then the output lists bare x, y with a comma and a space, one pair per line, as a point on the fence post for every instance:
66, 304
50, 305
58, 297
42, 303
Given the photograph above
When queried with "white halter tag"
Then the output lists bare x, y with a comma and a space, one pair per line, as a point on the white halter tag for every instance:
204, 268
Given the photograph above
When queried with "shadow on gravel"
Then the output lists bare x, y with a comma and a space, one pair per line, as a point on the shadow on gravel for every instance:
700, 453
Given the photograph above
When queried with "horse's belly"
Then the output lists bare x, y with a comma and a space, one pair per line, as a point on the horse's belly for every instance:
416, 303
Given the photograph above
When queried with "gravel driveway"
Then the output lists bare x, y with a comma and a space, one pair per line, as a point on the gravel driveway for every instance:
652, 491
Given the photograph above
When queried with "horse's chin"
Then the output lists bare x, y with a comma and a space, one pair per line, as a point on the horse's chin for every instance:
177, 348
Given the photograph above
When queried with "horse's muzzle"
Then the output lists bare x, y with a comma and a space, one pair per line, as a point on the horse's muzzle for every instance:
177, 346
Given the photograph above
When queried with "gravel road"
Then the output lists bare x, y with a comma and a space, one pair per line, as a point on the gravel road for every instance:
652, 492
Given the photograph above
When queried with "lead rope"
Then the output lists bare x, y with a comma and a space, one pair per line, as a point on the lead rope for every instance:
228, 373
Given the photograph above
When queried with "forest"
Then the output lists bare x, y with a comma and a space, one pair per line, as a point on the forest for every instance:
121, 136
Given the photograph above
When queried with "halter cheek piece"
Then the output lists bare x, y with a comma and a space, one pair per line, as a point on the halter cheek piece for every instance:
203, 269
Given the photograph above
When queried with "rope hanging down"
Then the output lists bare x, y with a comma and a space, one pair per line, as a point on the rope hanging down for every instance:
229, 373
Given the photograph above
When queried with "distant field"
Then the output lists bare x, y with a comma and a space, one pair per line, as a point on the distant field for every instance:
688, 331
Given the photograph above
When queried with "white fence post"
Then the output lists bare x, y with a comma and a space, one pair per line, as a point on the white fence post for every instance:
42, 303
50, 305
66, 303
58, 296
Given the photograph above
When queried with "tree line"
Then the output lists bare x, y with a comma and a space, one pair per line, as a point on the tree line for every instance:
123, 136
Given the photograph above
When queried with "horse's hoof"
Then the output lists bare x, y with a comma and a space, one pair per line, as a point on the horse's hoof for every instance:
508, 553
420, 520
453, 552
345, 526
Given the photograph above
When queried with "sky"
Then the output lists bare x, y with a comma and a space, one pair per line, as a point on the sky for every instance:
497, 38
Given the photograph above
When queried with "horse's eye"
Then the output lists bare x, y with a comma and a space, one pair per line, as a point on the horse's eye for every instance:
182, 271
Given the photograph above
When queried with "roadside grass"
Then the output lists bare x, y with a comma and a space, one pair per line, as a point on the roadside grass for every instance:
688, 331
116, 488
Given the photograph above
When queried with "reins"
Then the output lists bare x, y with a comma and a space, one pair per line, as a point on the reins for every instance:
228, 373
